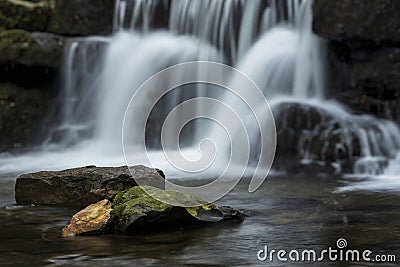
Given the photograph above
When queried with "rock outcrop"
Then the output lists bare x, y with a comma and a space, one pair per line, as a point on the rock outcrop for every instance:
33, 36
81, 186
28, 64
363, 53
311, 138
18, 47
21, 112
63, 17
30, 59
81, 17
26, 15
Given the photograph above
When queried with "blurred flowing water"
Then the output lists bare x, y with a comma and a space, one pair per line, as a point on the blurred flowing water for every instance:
272, 43
269, 41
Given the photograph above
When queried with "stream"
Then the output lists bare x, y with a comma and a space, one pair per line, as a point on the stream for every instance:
285, 213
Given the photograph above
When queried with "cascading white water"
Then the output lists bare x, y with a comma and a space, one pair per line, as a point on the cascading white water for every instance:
269, 41
123, 73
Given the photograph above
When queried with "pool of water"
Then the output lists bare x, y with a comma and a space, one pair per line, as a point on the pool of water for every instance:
285, 213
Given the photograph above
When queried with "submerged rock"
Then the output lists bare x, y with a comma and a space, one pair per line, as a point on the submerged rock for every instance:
93, 219
81, 186
136, 211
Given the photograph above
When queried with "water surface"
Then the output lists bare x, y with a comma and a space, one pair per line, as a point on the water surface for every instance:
285, 213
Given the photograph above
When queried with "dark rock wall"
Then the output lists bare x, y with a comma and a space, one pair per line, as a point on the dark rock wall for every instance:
64, 17
363, 53
81, 17
33, 35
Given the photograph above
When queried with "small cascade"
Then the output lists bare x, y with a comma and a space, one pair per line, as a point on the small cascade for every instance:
79, 85
327, 133
125, 70
230, 25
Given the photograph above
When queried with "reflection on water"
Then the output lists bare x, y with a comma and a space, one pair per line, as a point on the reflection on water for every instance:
286, 213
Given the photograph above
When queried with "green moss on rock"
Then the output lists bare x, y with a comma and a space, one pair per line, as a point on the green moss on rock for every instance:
7, 38
19, 47
76, 17
135, 210
27, 15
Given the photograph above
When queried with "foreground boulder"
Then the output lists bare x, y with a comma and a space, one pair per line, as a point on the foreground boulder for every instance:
135, 211
36, 57
363, 52
80, 186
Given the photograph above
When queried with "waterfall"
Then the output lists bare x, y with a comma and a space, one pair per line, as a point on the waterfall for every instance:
269, 41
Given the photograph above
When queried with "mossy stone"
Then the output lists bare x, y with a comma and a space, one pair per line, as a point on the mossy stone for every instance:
26, 15
135, 210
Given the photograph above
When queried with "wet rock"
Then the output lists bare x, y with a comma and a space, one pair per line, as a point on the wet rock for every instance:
94, 219
26, 15
135, 211
310, 139
31, 49
34, 56
21, 115
323, 139
81, 186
